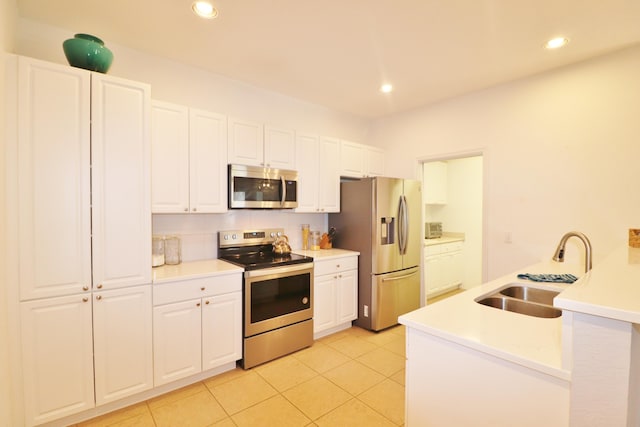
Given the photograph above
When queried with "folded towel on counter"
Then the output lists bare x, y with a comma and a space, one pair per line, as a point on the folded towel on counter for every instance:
555, 278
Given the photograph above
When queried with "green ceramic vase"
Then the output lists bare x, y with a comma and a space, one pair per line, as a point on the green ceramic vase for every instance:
88, 52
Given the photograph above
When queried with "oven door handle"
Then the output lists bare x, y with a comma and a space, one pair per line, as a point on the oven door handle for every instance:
278, 270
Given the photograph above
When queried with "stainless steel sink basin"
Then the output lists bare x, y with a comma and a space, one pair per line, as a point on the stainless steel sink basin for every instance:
523, 299
522, 307
527, 293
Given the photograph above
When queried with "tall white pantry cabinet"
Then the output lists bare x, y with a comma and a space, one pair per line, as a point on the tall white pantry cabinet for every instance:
80, 221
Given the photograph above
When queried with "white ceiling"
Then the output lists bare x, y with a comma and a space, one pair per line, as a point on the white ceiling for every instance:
336, 53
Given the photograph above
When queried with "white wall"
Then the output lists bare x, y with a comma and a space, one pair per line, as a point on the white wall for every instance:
463, 213
8, 16
561, 151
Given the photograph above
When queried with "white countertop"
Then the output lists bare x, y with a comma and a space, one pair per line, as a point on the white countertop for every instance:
611, 289
442, 240
192, 270
324, 254
529, 341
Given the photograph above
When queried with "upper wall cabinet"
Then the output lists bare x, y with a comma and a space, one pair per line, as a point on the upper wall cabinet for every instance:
189, 160
82, 180
435, 183
359, 160
252, 143
318, 173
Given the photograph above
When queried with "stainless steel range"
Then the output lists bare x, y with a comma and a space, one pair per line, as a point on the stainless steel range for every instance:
277, 292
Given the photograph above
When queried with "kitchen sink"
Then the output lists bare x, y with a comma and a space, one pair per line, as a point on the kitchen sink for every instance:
523, 299
527, 293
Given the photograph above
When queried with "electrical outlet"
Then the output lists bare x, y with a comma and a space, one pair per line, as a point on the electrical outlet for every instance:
366, 311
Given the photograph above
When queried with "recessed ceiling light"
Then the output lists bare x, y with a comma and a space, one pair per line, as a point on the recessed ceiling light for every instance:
557, 42
386, 88
204, 9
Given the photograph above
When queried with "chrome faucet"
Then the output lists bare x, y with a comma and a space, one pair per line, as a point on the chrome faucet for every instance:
559, 255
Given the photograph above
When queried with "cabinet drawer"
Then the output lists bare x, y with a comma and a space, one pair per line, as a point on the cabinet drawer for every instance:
452, 247
182, 290
335, 265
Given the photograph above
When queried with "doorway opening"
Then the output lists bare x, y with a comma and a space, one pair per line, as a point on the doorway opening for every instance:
452, 191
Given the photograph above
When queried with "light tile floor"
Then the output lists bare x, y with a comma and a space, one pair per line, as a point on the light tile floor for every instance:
351, 378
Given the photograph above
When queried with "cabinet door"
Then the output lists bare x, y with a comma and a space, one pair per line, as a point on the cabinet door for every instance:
329, 175
434, 273
245, 142
120, 181
57, 357
347, 296
324, 302
177, 348
374, 162
279, 148
221, 330
352, 159
208, 164
308, 172
435, 183
122, 337
169, 158
53, 182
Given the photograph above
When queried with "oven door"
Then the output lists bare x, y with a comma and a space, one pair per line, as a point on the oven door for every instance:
261, 188
277, 297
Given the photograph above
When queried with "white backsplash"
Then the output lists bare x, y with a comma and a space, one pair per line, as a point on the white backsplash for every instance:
199, 232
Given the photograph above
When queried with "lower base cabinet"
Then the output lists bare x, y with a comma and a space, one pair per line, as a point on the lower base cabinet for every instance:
196, 334
335, 293
442, 267
60, 347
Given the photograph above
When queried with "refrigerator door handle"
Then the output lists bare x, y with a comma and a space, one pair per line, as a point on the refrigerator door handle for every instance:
391, 279
403, 224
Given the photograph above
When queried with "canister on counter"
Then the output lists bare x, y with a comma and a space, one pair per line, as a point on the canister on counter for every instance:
157, 251
305, 237
172, 250
314, 241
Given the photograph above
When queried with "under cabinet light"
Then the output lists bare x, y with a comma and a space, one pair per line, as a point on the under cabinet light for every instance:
557, 42
204, 9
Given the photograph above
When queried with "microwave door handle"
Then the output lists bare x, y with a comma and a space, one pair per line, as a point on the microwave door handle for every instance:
284, 190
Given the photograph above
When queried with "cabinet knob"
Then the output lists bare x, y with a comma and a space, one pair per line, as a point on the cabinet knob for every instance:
99, 286
202, 288
85, 299
85, 288
194, 209
206, 302
340, 276
337, 265
198, 305
98, 297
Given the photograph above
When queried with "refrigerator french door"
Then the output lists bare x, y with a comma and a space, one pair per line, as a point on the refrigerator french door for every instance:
380, 218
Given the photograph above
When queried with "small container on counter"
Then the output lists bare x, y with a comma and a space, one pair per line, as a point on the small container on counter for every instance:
172, 250
305, 237
157, 251
314, 241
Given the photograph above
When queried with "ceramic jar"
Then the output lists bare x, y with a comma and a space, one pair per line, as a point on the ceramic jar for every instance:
88, 52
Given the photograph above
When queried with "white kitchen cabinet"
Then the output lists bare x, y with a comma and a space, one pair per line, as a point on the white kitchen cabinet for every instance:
122, 342
57, 357
80, 205
442, 267
251, 143
120, 182
435, 183
318, 173
197, 326
359, 160
189, 160
60, 348
53, 179
335, 294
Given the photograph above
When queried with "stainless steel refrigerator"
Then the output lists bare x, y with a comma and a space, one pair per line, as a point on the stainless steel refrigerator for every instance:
381, 218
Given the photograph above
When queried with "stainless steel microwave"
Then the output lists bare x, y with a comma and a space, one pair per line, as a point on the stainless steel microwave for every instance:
253, 187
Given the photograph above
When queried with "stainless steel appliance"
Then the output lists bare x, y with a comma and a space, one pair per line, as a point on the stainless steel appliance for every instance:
252, 187
432, 230
381, 218
277, 293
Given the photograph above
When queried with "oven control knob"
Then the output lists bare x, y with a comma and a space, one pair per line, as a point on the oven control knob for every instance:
234, 236
272, 234
226, 237
305, 300
279, 233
